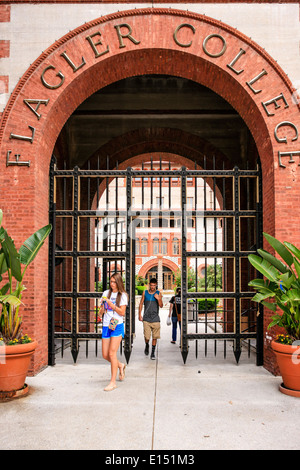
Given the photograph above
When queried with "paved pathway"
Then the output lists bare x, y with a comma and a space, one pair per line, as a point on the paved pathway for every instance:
208, 403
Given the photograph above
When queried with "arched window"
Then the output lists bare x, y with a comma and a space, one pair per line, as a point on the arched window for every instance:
164, 246
155, 246
175, 246
144, 246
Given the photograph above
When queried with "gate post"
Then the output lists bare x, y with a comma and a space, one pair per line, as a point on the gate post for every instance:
51, 284
129, 284
75, 345
259, 242
237, 341
184, 322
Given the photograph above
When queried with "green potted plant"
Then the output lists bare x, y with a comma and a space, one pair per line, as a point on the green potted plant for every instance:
279, 291
16, 348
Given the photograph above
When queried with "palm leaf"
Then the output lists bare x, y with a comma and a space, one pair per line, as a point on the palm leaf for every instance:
262, 296
283, 307
4, 288
269, 305
258, 283
3, 265
31, 246
277, 320
287, 279
11, 256
294, 295
296, 264
264, 267
272, 260
293, 249
280, 249
10, 299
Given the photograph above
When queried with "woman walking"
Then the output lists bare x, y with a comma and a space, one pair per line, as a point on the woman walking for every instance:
113, 307
175, 313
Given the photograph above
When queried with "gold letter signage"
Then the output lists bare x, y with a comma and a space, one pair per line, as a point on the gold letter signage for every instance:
214, 47
271, 106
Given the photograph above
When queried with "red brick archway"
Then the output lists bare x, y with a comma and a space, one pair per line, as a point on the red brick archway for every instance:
127, 44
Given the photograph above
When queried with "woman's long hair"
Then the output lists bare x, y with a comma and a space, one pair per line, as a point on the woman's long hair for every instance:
120, 286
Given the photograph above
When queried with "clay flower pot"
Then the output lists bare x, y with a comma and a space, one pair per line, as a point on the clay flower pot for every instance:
288, 360
14, 365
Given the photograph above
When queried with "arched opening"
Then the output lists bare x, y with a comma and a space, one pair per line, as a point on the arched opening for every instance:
155, 113
158, 124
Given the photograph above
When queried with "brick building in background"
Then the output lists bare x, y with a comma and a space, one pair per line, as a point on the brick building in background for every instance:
102, 84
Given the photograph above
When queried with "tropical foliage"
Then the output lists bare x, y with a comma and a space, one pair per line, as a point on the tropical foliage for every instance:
211, 281
280, 288
13, 266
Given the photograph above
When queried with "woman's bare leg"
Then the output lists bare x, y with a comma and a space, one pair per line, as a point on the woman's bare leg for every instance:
110, 348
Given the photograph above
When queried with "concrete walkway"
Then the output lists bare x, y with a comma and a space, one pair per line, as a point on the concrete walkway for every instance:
208, 403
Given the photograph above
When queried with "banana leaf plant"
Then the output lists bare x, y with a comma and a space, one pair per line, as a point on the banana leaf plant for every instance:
280, 288
13, 266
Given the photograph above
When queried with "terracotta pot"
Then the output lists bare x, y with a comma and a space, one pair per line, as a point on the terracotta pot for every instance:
14, 365
288, 360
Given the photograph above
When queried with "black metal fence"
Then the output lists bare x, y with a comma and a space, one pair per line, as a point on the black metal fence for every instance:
96, 215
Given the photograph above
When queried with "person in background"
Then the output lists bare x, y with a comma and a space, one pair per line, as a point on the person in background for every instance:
175, 313
151, 301
113, 308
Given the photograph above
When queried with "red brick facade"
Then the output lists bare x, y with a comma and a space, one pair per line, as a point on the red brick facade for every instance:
133, 43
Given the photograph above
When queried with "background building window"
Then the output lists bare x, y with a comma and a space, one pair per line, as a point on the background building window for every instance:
190, 203
155, 246
159, 203
144, 246
164, 246
175, 246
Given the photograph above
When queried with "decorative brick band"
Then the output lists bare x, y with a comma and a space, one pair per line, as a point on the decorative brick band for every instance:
5, 12
4, 48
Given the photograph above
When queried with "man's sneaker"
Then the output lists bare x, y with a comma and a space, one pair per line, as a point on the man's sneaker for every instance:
147, 349
152, 356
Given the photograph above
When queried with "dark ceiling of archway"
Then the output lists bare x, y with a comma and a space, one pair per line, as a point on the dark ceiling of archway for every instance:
151, 102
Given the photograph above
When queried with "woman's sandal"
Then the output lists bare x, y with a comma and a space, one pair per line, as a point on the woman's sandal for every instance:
110, 388
122, 375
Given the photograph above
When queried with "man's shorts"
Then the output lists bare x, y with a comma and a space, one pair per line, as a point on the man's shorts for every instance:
153, 328
108, 333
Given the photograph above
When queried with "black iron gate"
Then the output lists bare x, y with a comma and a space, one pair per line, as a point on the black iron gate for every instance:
218, 213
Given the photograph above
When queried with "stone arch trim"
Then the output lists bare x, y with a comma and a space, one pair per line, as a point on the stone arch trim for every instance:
153, 262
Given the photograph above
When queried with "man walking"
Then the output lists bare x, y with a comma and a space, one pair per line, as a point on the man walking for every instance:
151, 301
